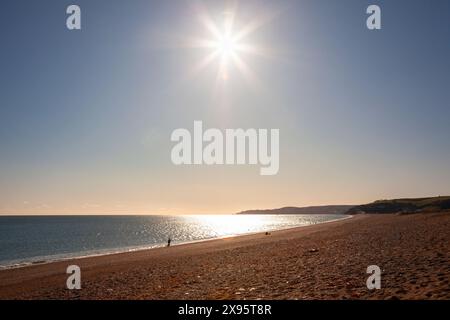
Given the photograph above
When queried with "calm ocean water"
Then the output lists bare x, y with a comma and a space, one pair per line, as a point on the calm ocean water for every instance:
28, 239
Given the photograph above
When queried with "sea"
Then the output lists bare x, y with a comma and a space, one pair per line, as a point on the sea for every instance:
28, 240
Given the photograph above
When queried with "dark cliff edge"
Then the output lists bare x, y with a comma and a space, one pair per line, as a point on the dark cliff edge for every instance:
407, 205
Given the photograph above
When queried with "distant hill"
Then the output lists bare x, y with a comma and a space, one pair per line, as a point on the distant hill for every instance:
407, 205
413, 205
337, 209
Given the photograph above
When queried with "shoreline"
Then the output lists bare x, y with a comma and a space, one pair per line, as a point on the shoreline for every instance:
321, 261
43, 260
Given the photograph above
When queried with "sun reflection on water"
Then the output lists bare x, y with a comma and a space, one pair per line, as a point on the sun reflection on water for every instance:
225, 225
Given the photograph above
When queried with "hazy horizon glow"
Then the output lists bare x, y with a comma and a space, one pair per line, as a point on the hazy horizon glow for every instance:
86, 116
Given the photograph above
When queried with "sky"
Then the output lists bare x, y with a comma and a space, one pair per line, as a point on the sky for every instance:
86, 115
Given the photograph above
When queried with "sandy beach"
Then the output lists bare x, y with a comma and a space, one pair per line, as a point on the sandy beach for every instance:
325, 261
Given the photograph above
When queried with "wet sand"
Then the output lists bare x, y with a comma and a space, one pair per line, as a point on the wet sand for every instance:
325, 261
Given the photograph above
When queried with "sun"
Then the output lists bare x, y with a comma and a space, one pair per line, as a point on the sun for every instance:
225, 43
227, 46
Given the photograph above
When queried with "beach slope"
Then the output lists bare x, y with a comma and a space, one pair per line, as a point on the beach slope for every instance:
325, 261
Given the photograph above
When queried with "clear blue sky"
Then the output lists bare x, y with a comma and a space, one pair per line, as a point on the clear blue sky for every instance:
86, 116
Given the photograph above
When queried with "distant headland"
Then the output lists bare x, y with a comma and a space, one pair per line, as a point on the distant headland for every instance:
406, 205
333, 209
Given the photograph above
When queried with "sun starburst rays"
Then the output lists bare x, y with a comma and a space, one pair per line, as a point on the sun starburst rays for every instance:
227, 45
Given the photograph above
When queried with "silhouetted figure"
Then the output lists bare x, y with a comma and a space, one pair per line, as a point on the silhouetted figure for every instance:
169, 241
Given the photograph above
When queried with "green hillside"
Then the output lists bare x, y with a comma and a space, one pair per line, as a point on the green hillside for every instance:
433, 204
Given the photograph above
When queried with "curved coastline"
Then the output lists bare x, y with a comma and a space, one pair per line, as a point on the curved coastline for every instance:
43, 260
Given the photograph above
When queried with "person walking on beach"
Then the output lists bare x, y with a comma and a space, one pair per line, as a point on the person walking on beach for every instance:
169, 241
